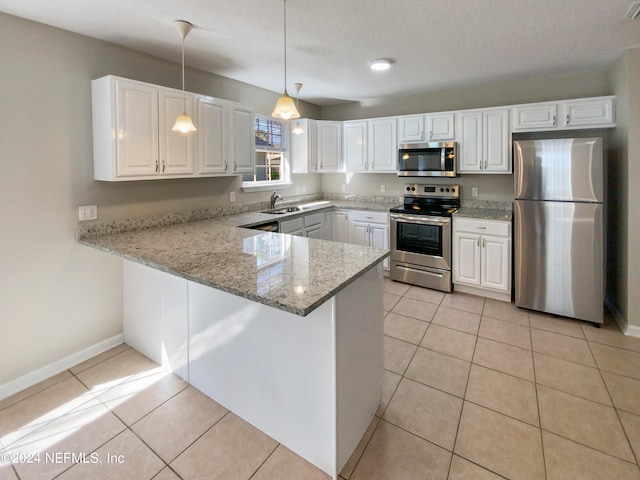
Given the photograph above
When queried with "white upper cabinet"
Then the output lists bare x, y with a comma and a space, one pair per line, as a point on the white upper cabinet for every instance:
243, 139
527, 118
588, 112
133, 135
440, 126
132, 131
176, 149
329, 146
597, 112
383, 145
226, 137
370, 145
303, 152
411, 129
355, 146
212, 131
484, 141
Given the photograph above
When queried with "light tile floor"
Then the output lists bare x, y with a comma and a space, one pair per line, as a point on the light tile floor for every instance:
473, 389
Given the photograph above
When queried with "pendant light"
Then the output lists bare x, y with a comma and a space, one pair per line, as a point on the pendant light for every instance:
297, 130
183, 122
285, 108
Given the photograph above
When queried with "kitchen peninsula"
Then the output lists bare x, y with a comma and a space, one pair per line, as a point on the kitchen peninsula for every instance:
284, 331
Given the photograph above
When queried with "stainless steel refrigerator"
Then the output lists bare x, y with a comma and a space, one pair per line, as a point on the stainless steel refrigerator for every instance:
558, 226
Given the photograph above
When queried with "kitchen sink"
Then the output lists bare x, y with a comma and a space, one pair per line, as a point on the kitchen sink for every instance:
280, 211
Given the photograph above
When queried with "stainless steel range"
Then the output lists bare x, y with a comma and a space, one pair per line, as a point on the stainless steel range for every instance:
421, 235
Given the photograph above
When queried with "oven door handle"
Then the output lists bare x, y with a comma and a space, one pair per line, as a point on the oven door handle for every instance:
420, 220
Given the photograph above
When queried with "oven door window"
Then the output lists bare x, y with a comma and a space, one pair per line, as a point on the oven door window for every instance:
419, 238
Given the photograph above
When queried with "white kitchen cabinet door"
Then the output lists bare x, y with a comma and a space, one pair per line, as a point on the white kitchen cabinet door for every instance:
496, 141
588, 112
411, 129
527, 118
329, 146
383, 145
484, 141
466, 258
303, 147
341, 226
355, 146
496, 263
136, 130
314, 231
440, 126
177, 150
379, 238
359, 233
295, 226
470, 141
212, 141
243, 145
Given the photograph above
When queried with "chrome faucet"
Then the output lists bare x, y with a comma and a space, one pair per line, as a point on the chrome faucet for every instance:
274, 198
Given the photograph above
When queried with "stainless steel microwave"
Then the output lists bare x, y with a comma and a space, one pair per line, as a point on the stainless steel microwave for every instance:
434, 159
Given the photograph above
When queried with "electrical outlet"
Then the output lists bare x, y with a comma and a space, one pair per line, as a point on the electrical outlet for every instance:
383, 188
343, 187
232, 197
87, 212
474, 191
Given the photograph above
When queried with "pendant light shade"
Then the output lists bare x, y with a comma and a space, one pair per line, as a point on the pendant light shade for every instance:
183, 122
285, 108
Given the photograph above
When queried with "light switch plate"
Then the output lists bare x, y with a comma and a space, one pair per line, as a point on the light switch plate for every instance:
232, 197
474, 191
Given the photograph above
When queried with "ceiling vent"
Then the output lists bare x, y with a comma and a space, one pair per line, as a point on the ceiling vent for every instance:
634, 11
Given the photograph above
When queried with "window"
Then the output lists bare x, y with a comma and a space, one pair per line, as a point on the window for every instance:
271, 162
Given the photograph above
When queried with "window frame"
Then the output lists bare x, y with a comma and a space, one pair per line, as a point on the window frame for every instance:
285, 174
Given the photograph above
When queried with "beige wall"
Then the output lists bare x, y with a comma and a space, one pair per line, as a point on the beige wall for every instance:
624, 177
58, 297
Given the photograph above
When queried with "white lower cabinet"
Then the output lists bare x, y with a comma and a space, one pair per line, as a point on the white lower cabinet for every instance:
312, 225
340, 225
482, 257
370, 229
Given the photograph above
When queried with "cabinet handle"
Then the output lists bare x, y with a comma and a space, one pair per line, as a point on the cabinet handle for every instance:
226, 166
568, 119
163, 166
430, 134
483, 243
481, 228
157, 166
478, 241
235, 167
553, 122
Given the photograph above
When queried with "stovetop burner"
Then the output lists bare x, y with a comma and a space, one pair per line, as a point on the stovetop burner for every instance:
432, 200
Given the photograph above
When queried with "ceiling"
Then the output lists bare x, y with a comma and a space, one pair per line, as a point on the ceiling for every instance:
435, 44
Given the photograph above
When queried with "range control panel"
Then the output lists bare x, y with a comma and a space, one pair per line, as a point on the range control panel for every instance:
432, 191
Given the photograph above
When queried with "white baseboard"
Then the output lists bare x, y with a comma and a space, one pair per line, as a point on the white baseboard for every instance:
30, 379
504, 297
631, 330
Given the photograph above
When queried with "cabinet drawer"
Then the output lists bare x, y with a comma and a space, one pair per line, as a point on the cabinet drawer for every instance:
313, 219
368, 217
482, 227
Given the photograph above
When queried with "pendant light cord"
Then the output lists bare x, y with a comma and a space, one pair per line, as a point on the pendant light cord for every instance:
285, 45
184, 96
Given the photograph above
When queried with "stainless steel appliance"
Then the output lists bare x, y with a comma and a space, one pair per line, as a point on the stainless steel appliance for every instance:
558, 226
421, 236
434, 159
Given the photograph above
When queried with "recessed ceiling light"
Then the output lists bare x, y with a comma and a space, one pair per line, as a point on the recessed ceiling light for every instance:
380, 64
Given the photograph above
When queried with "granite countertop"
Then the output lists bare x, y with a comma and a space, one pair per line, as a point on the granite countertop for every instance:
484, 213
294, 274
